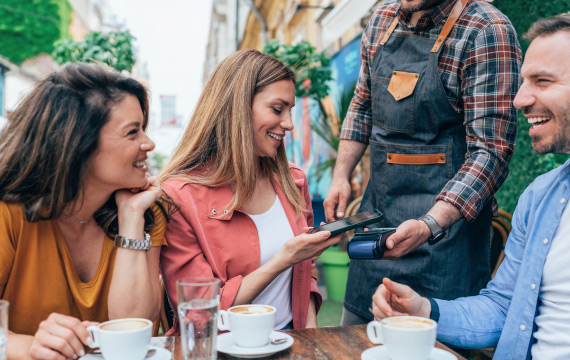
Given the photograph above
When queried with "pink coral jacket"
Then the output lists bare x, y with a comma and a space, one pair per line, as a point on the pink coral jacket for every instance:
205, 239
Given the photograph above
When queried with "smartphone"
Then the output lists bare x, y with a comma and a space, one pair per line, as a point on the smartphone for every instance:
349, 223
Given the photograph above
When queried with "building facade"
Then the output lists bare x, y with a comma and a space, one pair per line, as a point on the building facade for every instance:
334, 26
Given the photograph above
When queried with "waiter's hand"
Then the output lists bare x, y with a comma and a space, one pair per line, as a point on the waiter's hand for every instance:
410, 235
337, 197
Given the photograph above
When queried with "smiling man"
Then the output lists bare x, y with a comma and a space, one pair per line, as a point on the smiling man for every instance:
525, 310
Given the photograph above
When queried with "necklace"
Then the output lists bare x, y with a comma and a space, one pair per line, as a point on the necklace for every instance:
81, 221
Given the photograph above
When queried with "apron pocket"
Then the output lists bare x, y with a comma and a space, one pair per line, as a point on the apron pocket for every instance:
402, 84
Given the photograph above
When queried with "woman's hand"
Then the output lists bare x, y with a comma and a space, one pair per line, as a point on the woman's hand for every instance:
139, 199
306, 246
60, 337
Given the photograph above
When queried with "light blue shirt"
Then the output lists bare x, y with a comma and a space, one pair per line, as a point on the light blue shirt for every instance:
503, 314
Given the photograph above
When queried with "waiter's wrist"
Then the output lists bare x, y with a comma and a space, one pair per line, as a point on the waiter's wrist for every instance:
445, 213
425, 230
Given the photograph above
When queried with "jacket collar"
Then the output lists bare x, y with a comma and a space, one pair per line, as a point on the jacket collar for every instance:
220, 197
219, 200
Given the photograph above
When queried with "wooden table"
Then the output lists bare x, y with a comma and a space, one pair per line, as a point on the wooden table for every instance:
339, 342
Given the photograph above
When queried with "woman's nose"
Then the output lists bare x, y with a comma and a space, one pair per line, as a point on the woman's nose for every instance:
287, 122
147, 144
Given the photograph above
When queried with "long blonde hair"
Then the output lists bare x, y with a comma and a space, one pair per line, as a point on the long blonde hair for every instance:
218, 146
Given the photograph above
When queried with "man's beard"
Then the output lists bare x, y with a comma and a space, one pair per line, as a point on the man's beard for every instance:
421, 5
561, 138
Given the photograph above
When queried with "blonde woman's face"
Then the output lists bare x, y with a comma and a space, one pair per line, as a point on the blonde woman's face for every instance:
272, 116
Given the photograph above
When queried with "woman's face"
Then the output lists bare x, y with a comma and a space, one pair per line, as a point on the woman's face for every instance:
272, 116
119, 161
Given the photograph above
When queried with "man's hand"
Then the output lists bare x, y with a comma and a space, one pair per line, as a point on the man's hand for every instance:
337, 197
394, 299
349, 154
410, 235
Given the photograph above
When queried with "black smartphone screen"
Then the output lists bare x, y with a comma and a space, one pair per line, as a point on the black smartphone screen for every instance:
349, 223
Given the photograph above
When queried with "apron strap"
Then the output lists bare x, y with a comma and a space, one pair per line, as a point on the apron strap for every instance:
389, 31
451, 20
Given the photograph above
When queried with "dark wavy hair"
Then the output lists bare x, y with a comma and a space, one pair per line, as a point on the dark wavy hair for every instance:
49, 138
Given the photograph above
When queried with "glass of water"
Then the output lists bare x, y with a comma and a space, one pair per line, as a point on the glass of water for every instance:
198, 305
3, 328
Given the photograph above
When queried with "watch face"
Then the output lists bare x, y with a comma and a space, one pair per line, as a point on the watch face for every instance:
435, 238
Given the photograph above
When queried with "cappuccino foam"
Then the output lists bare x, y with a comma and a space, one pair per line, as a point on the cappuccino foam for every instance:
124, 325
257, 309
411, 323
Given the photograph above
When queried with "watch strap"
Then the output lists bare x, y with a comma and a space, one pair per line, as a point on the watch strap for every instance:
133, 244
437, 233
434, 314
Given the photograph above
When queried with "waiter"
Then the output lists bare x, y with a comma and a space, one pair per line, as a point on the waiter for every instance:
434, 102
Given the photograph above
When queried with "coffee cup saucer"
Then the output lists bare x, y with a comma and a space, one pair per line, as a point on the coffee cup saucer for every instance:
381, 353
161, 354
226, 344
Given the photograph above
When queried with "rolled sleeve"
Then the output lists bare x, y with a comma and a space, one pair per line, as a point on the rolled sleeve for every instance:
357, 124
490, 82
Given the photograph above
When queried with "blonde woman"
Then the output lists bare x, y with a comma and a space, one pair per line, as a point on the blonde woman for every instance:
242, 208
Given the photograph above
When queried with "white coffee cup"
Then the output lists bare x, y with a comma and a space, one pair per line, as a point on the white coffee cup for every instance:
405, 337
250, 325
122, 339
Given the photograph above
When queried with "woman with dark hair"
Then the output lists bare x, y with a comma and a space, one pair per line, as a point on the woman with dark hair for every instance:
73, 187
242, 208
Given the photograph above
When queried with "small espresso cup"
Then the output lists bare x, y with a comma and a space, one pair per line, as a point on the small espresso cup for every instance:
250, 325
405, 337
122, 339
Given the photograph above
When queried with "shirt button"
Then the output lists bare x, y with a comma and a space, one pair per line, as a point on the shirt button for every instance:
533, 286
562, 201
226, 211
214, 211
523, 328
545, 241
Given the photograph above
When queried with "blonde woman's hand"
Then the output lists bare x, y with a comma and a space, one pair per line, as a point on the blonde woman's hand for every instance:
307, 246
139, 199
60, 337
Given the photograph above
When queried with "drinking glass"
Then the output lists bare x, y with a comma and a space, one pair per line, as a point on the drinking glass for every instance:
3, 328
198, 305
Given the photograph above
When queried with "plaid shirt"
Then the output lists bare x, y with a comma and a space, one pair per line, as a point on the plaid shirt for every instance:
479, 66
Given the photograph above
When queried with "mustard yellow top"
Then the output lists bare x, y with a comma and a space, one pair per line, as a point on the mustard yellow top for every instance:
39, 275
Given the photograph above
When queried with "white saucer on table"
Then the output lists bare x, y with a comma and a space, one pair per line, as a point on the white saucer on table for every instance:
160, 354
226, 344
380, 353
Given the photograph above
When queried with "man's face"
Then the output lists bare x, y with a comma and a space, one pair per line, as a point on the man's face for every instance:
419, 5
544, 95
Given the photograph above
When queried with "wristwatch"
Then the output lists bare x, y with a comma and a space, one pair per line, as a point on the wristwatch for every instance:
134, 244
437, 233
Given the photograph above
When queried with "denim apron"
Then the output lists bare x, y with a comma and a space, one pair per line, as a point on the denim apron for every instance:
417, 145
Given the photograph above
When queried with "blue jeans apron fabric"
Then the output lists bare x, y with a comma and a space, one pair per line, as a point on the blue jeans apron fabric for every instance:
417, 145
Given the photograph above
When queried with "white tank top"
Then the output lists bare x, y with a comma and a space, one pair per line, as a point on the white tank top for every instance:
274, 230
553, 319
